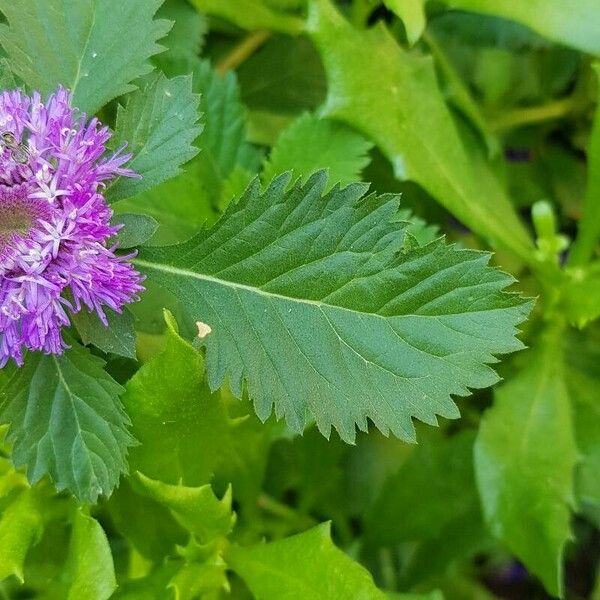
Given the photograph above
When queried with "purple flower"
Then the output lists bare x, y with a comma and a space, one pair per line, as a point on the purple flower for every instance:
56, 256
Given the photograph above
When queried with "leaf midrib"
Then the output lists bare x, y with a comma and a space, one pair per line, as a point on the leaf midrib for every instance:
177, 271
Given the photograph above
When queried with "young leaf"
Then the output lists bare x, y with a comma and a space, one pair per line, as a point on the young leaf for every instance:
186, 433
571, 23
198, 510
209, 521
310, 144
251, 14
89, 570
307, 566
95, 48
412, 13
526, 481
118, 338
159, 124
311, 301
400, 107
66, 421
21, 526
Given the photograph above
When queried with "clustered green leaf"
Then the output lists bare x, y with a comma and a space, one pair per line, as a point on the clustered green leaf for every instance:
246, 430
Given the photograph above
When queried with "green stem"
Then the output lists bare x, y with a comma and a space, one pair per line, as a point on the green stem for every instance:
244, 50
588, 234
278, 509
388, 572
535, 114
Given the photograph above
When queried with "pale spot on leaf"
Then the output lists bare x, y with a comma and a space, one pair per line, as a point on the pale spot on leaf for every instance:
203, 329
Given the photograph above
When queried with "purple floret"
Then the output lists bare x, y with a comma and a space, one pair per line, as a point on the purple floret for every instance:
55, 253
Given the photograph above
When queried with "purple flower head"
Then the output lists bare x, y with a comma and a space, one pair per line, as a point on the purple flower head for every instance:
55, 251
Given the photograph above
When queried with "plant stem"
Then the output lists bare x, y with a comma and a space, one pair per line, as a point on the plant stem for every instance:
535, 114
278, 509
244, 50
588, 233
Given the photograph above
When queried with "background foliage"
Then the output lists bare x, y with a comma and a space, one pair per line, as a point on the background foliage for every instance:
197, 447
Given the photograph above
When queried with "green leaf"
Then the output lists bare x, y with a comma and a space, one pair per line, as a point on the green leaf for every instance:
89, 569
159, 124
583, 380
435, 486
198, 510
66, 421
400, 107
116, 338
310, 144
151, 587
418, 228
187, 434
312, 302
436, 595
185, 40
209, 521
589, 226
7, 79
95, 48
21, 527
180, 205
307, 566
251, 14
412, 13
574, 24
310, 469
525, 455
147, 526
223, 140
285, 78
136, 230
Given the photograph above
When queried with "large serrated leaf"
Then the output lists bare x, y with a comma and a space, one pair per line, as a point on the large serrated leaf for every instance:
66, 421
95, 48
312, 302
